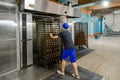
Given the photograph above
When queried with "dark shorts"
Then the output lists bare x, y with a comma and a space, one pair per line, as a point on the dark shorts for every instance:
69, 52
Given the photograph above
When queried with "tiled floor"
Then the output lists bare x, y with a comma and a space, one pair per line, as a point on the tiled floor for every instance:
104, 60
30, 73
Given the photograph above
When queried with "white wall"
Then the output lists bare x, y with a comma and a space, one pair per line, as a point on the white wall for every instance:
113, 21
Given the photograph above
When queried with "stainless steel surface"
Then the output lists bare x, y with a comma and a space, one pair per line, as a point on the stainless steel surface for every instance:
20, 24
7, 13
8, 40
39, 5
77, 12
8, 59
6, 4
7, 47
8, 1
21, 60
29, 52
29, 26
49, 7
30, 73
7, 29
29, 39
20, 21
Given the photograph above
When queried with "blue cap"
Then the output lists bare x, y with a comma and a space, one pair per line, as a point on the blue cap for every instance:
65, 26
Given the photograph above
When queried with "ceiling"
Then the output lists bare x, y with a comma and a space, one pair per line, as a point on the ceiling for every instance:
97, 5
82, 2
111, 4
101, 9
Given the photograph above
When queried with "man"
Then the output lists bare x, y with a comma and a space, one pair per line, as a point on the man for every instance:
68, 50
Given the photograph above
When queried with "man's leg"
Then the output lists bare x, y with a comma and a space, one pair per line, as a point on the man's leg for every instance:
64, 58
62, 71
74, 63
75, 68
63, 65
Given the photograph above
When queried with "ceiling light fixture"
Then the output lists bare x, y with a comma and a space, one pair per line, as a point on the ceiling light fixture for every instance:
105, 3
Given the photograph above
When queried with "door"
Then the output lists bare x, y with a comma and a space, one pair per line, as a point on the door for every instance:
8, 40
26, 39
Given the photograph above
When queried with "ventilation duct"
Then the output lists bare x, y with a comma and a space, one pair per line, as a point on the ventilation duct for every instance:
49, 7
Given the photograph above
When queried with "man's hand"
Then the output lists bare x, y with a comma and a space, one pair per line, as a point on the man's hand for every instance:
51, 35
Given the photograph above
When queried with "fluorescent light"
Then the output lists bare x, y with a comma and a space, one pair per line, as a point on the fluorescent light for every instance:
105, 3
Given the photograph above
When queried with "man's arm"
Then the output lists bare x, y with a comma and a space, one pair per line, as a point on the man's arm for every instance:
55, 37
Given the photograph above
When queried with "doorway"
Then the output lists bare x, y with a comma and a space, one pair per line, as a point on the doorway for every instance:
46, 51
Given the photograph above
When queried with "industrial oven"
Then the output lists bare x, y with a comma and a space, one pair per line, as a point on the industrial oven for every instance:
37, 19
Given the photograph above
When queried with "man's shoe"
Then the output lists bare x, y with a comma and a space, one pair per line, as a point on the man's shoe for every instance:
60, 72
76, 76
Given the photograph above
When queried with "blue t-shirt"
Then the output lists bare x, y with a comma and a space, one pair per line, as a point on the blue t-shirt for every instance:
66, 39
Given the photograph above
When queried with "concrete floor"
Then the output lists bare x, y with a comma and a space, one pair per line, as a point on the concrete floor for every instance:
104, 60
